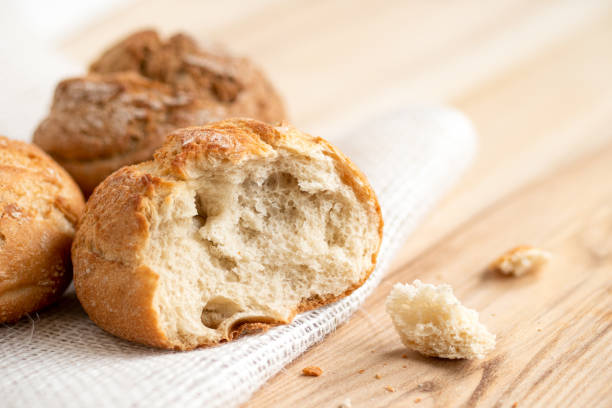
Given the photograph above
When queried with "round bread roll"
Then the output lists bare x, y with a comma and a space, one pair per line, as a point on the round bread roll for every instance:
234, 84
139, 91
233, 227
39, 208
101, 123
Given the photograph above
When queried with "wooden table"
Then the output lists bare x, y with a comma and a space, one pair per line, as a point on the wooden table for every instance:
536, 79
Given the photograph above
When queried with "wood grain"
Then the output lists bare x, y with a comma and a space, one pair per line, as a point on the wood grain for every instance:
536, 180
553, 329
535, 77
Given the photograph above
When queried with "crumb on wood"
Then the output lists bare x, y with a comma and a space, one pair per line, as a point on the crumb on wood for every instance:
361, 371
378, 376
312, 371
515, 405
521, 260
404, 366
417, 400
389, 388
384, 364
404, 355
373, 351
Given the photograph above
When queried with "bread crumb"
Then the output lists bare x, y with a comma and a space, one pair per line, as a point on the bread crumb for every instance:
389, 388
373, 351
515, 405
430, 320
417, 400
312, 371
521, 260
384, 364
361, 371
377, 376
345, 404
404, 355
404, 366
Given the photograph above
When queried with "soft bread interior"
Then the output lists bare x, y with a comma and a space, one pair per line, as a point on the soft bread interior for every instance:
251, 242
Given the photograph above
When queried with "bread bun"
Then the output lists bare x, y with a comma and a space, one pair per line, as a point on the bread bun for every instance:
39, 208
140, 90
233, 227
101, 123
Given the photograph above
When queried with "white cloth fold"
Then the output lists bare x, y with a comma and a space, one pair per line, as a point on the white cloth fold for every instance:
60, 358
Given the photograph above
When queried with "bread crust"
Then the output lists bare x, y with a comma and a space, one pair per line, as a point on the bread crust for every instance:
100, 123
140, 90
109, 249
39, 208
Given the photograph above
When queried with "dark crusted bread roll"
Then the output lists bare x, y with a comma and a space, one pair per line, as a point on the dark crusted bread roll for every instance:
137, 92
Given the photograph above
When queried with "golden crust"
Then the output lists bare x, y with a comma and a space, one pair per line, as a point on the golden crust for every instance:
109, 250
114, 288
140, 90
39, 207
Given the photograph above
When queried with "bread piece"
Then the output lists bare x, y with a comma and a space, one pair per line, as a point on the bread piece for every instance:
521, 260
312, 371
430, 320
39, 208
140, 90
233, 227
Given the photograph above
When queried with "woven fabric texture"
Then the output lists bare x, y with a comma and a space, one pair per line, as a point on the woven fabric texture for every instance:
59, 358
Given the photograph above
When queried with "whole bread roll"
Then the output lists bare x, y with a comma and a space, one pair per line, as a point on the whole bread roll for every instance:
39, 208
140, 90
231, 228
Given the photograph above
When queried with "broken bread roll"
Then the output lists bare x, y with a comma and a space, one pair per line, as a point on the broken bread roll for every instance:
231, 228
430, 320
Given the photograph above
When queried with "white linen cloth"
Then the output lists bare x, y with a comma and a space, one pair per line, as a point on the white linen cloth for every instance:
59, 358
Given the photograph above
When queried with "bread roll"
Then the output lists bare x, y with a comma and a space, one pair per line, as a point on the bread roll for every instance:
100, 123
233, 227
140, 90
39, 208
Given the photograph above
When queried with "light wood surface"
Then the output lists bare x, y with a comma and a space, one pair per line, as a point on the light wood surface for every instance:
536, 79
